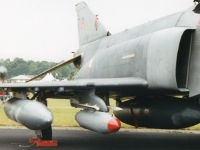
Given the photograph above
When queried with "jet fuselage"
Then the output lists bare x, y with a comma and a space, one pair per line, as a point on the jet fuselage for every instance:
160, 52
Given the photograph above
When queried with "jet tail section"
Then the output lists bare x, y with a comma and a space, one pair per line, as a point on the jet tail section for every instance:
89, 27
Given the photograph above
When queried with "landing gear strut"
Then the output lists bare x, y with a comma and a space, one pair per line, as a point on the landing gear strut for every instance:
47, 133
44, 136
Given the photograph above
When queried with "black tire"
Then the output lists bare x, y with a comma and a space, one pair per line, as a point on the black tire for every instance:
47, 133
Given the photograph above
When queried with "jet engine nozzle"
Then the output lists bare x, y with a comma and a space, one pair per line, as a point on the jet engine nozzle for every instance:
101, 122
32, 114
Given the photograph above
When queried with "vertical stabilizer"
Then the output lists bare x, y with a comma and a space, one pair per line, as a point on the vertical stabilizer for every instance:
89, 27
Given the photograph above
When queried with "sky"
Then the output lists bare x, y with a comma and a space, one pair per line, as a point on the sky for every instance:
47, 29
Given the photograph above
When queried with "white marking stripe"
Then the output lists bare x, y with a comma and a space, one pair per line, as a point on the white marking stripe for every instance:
128, 56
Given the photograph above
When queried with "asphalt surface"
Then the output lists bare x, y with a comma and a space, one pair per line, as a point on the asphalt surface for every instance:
72, 139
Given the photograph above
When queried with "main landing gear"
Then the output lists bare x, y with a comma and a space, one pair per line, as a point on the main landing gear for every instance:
43, 137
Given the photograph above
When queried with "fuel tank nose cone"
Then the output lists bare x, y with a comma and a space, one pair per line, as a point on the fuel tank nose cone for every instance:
114, 125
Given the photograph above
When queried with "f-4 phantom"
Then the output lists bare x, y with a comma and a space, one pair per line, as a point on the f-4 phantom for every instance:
151, 70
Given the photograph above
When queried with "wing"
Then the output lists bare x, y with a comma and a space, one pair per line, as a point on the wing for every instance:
104, 84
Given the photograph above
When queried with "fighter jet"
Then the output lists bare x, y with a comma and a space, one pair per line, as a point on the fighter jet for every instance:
152, 71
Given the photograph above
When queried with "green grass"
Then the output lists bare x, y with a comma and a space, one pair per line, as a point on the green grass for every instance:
64, 115
196, 127
4, 121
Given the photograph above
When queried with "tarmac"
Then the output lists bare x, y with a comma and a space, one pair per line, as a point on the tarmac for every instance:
78, 139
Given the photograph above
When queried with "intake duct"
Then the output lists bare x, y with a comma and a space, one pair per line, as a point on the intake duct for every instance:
168, 56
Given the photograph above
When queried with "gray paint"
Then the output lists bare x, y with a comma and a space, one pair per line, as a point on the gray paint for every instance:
32, 114
194, 73
103, 58
160, 112
90, 29
89, 98
162, 53
94, 120
108, 58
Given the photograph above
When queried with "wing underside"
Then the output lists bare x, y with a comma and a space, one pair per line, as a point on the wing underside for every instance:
106, 84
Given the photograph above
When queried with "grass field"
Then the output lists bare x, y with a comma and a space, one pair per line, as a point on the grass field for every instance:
64, 115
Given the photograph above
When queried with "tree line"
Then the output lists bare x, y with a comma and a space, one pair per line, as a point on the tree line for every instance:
18, 66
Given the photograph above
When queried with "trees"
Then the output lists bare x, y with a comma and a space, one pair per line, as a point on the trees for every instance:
19, 66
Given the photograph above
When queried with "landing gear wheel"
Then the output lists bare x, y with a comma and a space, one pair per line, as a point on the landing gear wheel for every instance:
47, 133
